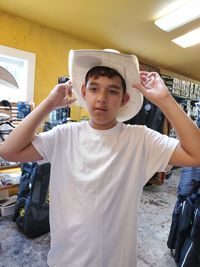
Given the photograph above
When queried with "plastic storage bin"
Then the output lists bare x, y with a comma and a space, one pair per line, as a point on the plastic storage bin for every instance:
7, 210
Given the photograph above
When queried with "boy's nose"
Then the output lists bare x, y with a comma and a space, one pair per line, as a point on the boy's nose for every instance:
102, 96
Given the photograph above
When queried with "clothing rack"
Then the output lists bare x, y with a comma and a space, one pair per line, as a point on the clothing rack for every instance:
7, 124
12, 112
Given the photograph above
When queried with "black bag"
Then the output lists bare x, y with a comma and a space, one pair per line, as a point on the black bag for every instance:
184, 226
184, 236
190, 253
171, 242
32, 206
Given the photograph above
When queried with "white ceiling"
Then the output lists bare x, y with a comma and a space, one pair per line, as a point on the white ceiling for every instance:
125, 25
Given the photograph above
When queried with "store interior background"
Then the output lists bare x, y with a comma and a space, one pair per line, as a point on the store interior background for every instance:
51, 29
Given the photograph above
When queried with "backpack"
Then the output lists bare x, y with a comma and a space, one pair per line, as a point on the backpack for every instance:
32, 206
184, 236
190, 254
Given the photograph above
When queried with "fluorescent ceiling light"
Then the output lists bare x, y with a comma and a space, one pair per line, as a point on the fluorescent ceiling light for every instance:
188, 39
180, 16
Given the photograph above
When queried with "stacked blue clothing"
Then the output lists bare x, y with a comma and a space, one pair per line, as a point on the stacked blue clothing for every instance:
189, 180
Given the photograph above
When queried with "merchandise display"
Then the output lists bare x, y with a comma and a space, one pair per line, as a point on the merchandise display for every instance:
182, 88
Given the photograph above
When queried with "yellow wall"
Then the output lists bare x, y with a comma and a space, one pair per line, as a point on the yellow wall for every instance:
51, 48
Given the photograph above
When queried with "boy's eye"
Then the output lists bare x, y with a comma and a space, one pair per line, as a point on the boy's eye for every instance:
93, 89
113, 92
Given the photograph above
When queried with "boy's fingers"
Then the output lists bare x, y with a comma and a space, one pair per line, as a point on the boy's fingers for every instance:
68, 88
139, 87
70, 100
69, 82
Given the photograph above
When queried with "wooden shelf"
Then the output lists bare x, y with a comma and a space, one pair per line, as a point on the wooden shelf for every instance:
11, 167
12, 188
7, 187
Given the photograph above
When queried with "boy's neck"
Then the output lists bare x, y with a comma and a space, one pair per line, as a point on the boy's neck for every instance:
102, 126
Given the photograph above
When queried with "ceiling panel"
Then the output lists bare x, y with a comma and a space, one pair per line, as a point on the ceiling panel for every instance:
127, 26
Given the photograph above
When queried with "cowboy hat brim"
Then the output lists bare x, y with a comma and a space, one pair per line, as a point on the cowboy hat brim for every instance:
81, 61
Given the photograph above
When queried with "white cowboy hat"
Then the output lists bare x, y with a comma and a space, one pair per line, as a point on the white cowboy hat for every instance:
81, 61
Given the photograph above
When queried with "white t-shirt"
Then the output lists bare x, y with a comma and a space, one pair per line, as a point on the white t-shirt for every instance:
97, 177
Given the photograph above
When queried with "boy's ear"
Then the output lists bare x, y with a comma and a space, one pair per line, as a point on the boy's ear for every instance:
83, 90
125, 99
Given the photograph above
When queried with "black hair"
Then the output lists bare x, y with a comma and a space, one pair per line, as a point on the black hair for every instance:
104, 71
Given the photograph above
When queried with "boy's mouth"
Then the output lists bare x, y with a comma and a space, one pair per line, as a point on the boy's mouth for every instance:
100, 109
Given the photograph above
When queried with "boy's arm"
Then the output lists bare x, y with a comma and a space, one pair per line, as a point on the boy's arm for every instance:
17, 146
187, 153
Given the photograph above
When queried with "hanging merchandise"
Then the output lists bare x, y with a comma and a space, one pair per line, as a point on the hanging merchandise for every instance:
198, 114
184, 236
23, 109
60, 115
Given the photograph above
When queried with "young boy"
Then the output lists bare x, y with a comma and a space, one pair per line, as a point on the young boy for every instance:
99, 168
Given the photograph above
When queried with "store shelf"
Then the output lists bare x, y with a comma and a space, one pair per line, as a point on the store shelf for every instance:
13, 175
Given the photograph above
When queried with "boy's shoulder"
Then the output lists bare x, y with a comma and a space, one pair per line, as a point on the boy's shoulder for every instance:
134, 127
61, 129
140, 131
72, 125
84, 126
75, 126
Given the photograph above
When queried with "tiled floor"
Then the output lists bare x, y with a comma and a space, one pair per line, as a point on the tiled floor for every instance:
155, 212
154, 222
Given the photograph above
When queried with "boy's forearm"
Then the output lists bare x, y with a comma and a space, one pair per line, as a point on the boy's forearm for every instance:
23, 134
186, 130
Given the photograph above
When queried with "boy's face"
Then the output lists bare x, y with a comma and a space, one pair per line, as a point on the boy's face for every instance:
104, 96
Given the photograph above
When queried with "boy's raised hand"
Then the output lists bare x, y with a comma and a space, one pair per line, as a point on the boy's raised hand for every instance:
152, 87
61, 95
